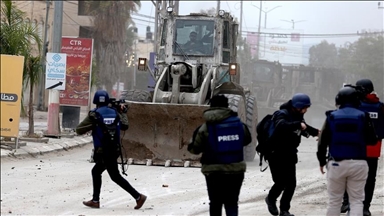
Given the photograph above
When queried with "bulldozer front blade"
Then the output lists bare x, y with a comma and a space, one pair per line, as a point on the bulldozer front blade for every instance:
161, 132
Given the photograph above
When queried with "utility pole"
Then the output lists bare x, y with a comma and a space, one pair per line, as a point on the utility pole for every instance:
135, 68
258, 31
241, 17
156, 30
40, 104
54, 104
176, 7
218, 7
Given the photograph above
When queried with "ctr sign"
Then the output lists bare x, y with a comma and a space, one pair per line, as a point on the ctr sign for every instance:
75, 42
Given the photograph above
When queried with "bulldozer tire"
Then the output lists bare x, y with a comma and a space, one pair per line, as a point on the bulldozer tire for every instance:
137, 95
250, 150
237, 104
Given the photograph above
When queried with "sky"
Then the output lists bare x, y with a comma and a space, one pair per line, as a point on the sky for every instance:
311, 17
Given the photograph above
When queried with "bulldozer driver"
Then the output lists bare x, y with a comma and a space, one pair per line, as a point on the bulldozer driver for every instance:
193, 45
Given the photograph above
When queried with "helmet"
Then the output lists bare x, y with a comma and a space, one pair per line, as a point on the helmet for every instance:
101, 97
347, 95
366, 84
219, 101
301, 101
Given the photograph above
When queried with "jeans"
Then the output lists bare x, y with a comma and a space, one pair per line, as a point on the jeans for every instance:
284, 178
224, 189
109, 163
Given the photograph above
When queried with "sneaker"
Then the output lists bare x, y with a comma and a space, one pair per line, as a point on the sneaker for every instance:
272, 208
140, 201
366, 212
344, 208
286, 213
92, 204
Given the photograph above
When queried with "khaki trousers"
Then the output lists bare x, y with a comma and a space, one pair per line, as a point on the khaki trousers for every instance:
349, 175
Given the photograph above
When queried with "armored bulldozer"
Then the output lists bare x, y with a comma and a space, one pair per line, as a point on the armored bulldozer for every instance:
196, 59
321, 84
264, 79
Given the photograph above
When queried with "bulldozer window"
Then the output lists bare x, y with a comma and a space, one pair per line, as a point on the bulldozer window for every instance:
307, 76
226, 35
195, 37
164, 33
263, 74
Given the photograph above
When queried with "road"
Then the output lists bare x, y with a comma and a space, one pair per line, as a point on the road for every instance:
57, 183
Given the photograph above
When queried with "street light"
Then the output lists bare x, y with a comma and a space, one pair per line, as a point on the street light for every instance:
293, 22
266, 12
379, 5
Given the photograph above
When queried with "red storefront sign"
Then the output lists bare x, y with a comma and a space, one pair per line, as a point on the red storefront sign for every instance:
79, 67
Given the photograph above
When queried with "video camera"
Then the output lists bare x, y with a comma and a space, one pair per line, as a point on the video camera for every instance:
361, 92
116, 104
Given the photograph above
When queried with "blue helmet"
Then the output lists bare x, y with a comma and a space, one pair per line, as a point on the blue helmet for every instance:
101, 97
301, 101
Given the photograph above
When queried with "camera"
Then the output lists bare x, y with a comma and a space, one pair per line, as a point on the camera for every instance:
116, 104
361, 92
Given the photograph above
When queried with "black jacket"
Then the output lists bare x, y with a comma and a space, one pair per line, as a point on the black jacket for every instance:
288, 130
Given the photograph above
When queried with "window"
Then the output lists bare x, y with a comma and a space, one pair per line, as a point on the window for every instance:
307, 76
226, 35
164, 34
194, 37
263, 74
226, 56
81, 8
85, 32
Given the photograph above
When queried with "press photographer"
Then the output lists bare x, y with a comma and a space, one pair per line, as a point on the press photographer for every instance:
105, 122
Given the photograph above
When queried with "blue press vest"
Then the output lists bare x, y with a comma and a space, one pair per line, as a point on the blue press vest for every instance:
225, 142
347, 128
376, 114
108, 116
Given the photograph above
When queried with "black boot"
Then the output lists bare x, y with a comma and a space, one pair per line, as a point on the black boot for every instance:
286, 213
272, 208
366, 212
344, 207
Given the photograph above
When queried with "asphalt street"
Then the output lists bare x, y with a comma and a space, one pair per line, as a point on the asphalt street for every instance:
56, 184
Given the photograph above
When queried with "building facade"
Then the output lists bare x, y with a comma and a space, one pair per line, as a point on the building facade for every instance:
76, 23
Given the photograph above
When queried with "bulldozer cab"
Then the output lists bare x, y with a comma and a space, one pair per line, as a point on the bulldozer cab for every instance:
202, 41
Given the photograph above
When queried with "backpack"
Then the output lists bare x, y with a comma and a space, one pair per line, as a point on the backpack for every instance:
265, 131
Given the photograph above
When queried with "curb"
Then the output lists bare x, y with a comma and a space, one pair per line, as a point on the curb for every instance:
35, 149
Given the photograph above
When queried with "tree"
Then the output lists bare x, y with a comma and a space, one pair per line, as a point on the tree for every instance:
323, 55
110, 20
15, 33
15, 39
33, 70
365, 60
360, 59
